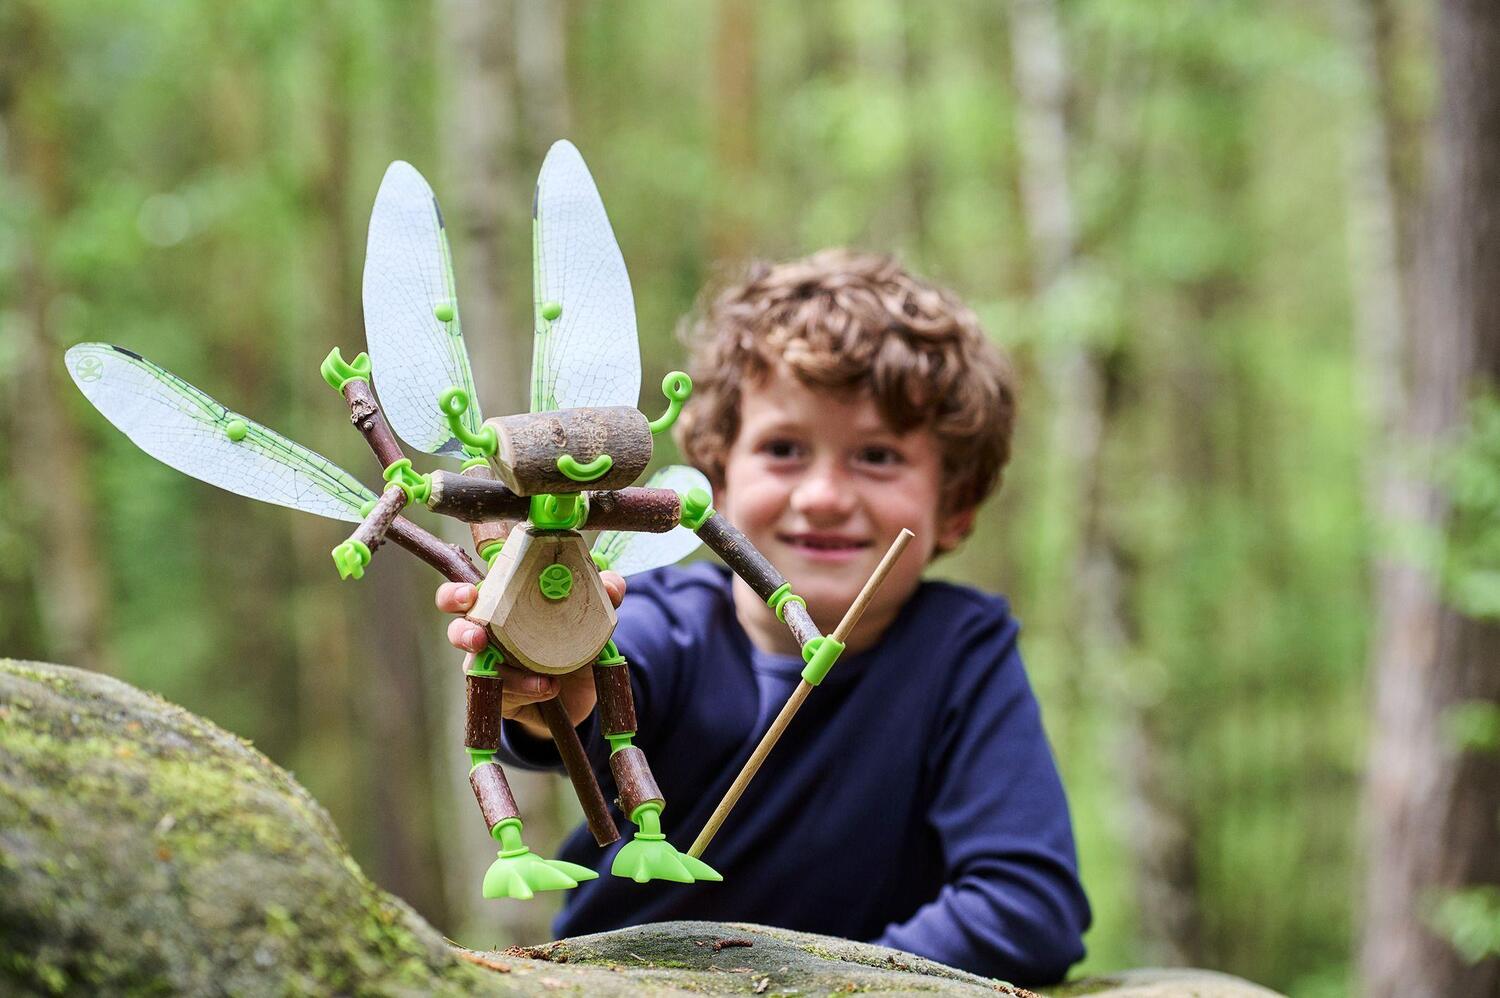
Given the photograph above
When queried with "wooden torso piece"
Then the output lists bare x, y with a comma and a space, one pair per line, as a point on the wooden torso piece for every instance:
552, 636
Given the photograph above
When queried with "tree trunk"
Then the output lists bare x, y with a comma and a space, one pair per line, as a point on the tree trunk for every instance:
734, 129
487, 203
49, 466
1081, 408
1433, 809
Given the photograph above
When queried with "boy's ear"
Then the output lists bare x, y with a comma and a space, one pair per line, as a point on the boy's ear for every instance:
953, 528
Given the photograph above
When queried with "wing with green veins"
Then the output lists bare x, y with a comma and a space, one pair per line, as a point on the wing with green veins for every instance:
180, 426
411, 314
588, 354
629, 552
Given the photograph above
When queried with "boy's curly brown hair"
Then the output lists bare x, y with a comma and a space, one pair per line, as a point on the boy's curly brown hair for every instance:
861, 323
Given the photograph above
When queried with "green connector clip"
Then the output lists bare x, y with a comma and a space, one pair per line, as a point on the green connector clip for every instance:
417, 487
491, 551
454, 403
781, 597
610, 655
601, 562
487, 662
339, 372
619, 742
696, 509
351, 557
558, 512
820, 654
678, 388
581, 472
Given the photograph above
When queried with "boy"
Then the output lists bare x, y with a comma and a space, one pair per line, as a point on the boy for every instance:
913, 802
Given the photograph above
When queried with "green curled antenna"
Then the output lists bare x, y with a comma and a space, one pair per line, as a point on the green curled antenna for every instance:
454, 403
678, 388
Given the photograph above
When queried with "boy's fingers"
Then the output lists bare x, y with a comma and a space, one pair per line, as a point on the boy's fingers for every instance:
467, 635
456, 597
614, 584
522, 688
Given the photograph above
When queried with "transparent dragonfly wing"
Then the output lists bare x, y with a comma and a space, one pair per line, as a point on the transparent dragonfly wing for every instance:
587, 354
180, 426
411, 313
629, 552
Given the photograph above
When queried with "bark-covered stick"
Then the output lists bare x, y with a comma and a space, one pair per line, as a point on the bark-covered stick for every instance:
653, 511
365, 414
725, 540
794, 702
634, 780
595, 811
371, 532
473, 499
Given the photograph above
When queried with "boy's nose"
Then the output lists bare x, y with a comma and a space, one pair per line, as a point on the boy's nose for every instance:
822, 493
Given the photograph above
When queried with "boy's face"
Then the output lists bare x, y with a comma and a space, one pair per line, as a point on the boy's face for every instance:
822, 486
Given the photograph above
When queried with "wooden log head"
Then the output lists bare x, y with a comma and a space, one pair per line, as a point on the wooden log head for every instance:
569, 450
544, 601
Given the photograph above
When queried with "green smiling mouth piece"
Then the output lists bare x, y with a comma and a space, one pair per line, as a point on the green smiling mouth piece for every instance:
580, 472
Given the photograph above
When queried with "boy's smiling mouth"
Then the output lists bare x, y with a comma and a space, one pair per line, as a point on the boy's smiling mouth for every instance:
823, 545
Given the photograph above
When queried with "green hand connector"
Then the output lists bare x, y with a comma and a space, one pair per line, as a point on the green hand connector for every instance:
581, 472
649, 856
351, 557
417, 487
678, 388
338, 372
696, 509
820, 654
454, 403
519, 873
556, 581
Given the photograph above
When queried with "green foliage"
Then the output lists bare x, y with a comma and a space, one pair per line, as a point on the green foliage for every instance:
193, 181
1470, 918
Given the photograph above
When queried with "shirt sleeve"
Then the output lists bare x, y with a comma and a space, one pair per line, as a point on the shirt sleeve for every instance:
1011, 905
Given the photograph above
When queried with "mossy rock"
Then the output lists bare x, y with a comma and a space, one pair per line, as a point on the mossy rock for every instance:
144, 850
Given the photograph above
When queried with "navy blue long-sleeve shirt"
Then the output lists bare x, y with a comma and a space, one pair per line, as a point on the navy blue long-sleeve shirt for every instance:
913, 801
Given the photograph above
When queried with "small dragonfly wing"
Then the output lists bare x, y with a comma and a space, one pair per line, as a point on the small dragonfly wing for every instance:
588, 354
180, 426
411, 314
629, 552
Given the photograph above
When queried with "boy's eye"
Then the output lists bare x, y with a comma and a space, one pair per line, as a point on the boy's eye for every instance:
781, 449
880, 456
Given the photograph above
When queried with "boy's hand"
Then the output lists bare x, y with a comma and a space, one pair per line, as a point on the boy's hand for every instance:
524, 689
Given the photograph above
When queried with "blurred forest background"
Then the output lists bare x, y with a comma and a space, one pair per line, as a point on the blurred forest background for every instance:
1252, 526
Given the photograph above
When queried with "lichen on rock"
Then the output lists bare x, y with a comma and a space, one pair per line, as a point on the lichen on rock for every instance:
144, 850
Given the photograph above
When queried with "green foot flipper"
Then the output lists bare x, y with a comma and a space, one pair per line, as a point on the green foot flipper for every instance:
646, 858
519, 873
649, 856
522, 876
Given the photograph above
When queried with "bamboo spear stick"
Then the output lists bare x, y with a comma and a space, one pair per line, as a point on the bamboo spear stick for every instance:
794, 702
